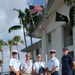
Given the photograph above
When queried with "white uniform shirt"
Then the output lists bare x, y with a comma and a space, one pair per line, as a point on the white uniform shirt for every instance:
37, 65
27, 67
15, 64
52, 63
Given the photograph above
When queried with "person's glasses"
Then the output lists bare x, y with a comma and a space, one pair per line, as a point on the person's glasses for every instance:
38, 57
27, 56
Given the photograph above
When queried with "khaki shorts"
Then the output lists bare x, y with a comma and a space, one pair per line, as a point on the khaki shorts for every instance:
27, 74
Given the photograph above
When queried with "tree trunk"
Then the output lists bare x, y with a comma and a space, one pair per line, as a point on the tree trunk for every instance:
32, 48
2, 63
10, 52
18, 52
24, 38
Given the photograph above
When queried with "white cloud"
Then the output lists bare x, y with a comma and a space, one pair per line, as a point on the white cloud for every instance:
8, 18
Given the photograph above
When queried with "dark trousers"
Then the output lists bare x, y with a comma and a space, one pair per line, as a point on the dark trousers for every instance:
55, 73
67, 73
12, 73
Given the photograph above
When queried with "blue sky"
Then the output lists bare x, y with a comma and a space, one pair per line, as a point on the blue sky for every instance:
38, 2
9, 18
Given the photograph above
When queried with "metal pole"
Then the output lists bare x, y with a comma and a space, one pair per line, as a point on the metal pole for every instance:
45, 14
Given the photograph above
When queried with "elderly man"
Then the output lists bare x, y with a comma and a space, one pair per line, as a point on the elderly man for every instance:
14, 64
26, 68
39, 66
53, 63
68, 63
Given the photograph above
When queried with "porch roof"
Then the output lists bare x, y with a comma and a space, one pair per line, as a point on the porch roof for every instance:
35, 46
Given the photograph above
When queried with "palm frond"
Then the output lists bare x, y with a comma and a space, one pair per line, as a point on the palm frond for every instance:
22, 41
2, 43
16, 27
16, 38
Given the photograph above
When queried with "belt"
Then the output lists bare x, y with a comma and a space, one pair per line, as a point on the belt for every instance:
50, 71
27, 73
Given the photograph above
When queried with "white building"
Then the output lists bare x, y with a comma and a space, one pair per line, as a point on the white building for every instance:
59, 34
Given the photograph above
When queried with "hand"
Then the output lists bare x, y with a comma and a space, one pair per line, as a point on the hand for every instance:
17, 73
42, 74
49, 73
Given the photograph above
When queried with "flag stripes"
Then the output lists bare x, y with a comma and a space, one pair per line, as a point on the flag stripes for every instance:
34, 9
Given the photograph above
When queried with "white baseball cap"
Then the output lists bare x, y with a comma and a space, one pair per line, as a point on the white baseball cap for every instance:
15, 51
52, 51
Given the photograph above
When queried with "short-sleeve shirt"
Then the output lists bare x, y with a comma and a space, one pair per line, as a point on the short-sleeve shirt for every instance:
67, 63
53, 62
27, 67
15, 63
37, 65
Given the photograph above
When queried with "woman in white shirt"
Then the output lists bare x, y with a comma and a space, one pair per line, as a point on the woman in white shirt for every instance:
38, 67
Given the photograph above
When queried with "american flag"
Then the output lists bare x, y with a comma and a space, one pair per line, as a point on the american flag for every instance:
35, 8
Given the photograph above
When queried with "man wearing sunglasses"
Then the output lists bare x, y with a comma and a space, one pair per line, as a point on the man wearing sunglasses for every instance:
14, 64
39, 66
53, 63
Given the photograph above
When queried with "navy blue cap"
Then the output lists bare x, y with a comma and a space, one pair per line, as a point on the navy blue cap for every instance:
64, 49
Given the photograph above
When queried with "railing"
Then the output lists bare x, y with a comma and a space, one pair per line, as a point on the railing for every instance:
68, 41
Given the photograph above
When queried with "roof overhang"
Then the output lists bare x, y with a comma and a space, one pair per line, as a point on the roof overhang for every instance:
32, 47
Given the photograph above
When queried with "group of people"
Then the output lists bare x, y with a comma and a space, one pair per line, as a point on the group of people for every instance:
40, 67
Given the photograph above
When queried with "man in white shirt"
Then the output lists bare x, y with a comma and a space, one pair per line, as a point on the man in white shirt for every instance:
26, 68
14, 64
38, 67
53, 63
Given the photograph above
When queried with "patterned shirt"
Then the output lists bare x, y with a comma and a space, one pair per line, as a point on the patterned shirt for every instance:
27, 67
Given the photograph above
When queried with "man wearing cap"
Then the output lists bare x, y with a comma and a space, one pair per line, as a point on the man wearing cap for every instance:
26, 68
39, 66
14, 64
68, 63
53, 63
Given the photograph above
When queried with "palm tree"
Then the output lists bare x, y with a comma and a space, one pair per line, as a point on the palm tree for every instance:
27, 22
17, 39
23, 24
71, 3
2, 43
10, 44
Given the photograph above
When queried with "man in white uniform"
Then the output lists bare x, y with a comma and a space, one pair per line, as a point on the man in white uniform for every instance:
53, 63
14, 64
26, 68
39, 66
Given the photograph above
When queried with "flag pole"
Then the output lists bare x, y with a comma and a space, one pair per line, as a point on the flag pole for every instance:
45, 15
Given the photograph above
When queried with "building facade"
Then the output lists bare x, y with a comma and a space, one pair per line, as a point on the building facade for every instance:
56, 35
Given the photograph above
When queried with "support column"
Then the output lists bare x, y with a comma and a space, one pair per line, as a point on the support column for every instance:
44, 46
57, 41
